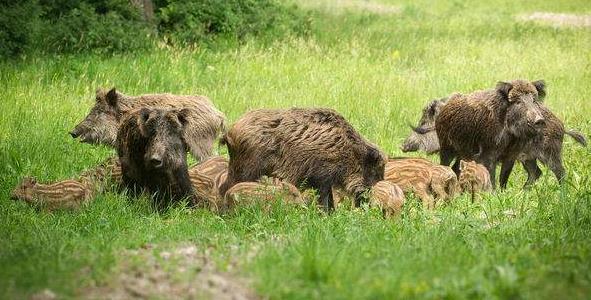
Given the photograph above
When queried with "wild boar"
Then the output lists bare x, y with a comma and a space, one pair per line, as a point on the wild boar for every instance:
152, 153
423, 178
266, 190
491, 126
388, 196
203, 126
65, 194
474, 178
315, 147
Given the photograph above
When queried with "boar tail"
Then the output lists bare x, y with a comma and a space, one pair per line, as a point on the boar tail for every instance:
577, 136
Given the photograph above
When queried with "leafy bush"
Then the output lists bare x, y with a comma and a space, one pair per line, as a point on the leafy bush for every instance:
18, 22
83, 28
188, 22
108, 26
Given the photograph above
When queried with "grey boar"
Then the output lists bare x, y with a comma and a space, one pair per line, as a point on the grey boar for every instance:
423, 137
204, 123
491, 126
315, 147
474, 178
152, 153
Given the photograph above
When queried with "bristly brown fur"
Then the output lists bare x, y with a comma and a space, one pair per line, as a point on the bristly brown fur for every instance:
490, 126
204, 124
313, 146
474, 178
152, 153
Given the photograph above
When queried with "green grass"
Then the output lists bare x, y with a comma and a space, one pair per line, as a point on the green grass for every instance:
378, 71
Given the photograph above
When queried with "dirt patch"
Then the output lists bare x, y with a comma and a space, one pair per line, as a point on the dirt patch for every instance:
557, 20
353, 5
181, 272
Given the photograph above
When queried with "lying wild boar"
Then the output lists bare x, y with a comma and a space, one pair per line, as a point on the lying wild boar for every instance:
423, 178
266, 190
203, 124
491, 126
315, 147
546, 147
474, 178
152, 153
61, 195
388, 196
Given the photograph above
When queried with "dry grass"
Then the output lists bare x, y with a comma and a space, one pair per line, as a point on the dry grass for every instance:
557, 20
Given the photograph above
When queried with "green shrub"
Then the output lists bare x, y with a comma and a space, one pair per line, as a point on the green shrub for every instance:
188, 22
18, 22
95, 27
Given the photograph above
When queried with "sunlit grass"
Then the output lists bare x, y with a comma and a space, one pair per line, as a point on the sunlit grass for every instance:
378, 71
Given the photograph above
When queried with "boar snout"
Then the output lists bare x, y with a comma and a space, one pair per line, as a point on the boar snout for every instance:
156, 162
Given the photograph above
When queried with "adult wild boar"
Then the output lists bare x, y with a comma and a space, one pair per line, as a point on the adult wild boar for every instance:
491, 126
315, 147
423, 137
203, 124
546, 147
152, 153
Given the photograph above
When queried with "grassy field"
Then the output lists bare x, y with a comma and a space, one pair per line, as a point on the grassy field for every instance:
377, 67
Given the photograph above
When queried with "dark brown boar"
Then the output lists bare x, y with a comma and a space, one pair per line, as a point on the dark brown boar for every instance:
203, 126
546, 147
491, 126
152, 153
315, 147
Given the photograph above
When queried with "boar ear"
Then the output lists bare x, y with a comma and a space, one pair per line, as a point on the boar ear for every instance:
541, 87
183, 116
112, 97
372, 156
503, 89
144, 115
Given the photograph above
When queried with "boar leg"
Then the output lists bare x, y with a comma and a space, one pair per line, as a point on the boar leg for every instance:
446, 156
533, 171
325, 192
492, 171
555, 164
428, 201
506, 168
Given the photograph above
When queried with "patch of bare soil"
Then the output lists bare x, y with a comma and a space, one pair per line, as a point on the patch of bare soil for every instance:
557, 20
178, 273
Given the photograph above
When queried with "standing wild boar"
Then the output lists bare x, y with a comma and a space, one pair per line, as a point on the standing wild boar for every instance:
491, 126
203, 125
423, 178
315, 147
388, 196
152, 152
546, 147
474, 178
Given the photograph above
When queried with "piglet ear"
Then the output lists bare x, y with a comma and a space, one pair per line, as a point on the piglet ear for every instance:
463, 165
503, 89
541, 87
111, 97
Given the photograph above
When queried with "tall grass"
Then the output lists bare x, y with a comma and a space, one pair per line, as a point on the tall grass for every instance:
378, 71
